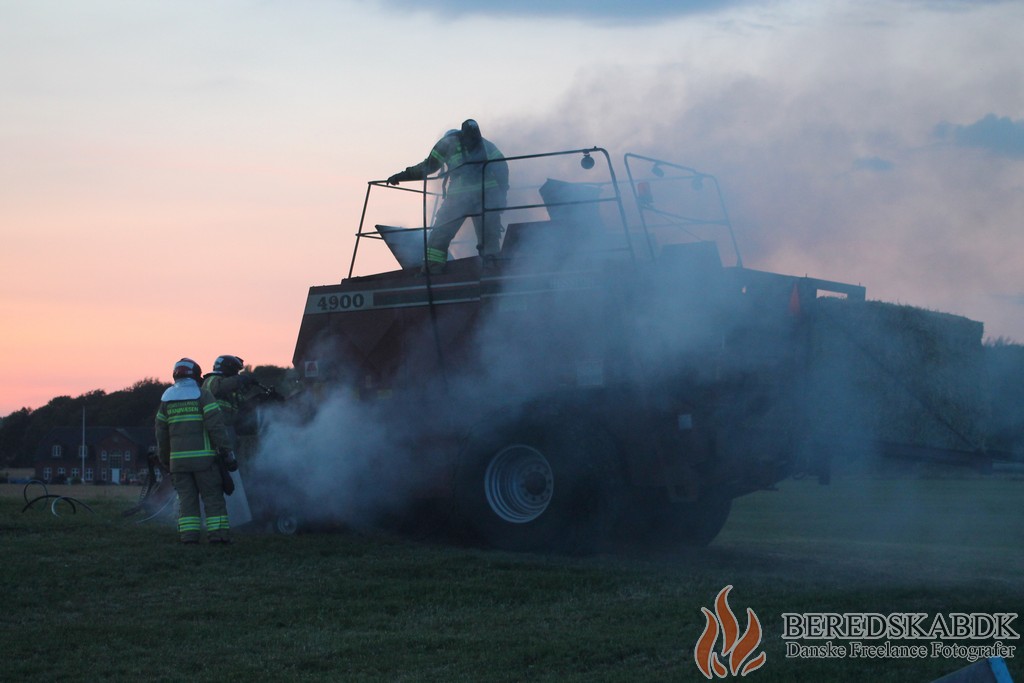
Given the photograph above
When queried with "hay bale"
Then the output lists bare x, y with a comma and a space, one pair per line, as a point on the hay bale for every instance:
890, 372
1004, 365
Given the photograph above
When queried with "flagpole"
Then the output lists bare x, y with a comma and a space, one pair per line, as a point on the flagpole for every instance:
83, 445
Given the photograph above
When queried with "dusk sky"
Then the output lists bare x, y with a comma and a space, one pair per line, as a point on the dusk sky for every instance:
175, 175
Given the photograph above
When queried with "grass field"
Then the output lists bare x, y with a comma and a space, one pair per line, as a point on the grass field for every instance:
97, 597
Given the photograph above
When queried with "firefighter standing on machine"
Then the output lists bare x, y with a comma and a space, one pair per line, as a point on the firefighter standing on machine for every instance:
467, 181
190, 431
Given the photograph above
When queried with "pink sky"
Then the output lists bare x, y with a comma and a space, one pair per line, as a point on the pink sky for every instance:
176, 175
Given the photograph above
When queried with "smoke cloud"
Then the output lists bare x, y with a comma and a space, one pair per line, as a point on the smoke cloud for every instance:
839, 157
407, 396
332, 460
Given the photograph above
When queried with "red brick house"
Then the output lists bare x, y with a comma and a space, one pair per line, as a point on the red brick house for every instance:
113, 455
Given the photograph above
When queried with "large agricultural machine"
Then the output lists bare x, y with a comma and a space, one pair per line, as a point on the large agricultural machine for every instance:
617, 372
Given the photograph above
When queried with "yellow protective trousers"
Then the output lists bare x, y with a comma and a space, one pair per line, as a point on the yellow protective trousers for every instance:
192, 487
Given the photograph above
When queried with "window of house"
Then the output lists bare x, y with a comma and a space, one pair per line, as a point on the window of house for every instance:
74, 472
128, 455
103, 474
88, 474
61, 471
47, 473
103, 455
56, 450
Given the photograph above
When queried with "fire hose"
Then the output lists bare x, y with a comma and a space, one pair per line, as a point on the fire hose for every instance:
73, 502
151, 494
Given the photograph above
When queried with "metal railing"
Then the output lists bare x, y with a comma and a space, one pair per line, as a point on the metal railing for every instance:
684, 174
587, 162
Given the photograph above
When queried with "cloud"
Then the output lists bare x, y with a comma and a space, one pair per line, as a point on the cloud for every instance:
998, 134
876, 164
825, 163
598, 11
1014, 299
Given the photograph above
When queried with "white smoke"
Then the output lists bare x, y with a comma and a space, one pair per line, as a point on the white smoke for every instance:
331, 459
338, 458
838, 161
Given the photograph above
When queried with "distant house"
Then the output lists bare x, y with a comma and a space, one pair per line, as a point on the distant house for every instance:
113, 455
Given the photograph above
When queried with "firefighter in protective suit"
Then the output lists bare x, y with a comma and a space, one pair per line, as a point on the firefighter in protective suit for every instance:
468, 181
230, 389
189, 433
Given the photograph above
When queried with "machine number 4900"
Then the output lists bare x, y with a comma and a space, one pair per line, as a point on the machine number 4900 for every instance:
343, 302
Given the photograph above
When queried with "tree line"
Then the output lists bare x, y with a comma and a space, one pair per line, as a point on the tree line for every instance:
134, 406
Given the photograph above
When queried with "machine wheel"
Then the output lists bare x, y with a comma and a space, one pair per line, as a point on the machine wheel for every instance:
673, 524
287, 523
540, 485
699, 523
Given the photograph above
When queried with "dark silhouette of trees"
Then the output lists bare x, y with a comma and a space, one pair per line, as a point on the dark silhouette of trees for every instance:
134, 406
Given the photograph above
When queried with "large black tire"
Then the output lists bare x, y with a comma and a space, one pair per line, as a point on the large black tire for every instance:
543, 483
665, 524
698, 524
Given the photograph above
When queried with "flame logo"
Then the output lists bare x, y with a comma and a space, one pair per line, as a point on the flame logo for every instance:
737, 648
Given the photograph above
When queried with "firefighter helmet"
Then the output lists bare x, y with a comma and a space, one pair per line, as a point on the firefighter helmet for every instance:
186, 367
228, 366
470, 133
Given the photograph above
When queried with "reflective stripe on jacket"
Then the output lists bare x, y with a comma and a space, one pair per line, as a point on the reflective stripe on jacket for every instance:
225, 390
189, 428
463, 167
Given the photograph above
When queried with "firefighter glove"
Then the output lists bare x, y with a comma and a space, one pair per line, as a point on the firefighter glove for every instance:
401, 176
230, 461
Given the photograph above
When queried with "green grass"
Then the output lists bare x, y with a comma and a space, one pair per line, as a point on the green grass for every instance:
97, 597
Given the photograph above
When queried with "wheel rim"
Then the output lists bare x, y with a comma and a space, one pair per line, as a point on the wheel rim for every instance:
519, 484
286, 524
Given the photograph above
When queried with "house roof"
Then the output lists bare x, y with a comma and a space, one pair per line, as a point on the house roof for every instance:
71, 437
